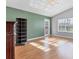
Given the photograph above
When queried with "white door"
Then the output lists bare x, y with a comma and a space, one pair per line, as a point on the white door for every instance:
46, 27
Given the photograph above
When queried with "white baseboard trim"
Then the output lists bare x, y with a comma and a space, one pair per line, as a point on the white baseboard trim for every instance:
35, 38
44, 36
63, 36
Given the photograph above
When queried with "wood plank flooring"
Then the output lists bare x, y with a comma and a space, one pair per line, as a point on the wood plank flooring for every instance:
49, 48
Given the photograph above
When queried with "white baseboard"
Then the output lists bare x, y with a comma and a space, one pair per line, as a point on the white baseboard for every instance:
44, 36
63, 36
35, 38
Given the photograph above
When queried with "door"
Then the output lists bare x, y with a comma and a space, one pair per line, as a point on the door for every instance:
9, 40
46, 27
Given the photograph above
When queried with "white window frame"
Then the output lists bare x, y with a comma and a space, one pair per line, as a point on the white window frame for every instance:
64, 19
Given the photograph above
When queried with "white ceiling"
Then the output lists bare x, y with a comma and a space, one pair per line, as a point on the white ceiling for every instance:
42, 7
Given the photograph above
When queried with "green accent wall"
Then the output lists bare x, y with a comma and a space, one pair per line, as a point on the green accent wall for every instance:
35, 22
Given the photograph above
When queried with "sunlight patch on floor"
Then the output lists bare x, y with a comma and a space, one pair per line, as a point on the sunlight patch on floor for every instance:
50, 43
54, 42
43, 48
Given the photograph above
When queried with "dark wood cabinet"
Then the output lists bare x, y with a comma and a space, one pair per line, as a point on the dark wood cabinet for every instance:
9, 40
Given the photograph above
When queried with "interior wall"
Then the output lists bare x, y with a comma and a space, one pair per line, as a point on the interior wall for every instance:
66, 14
35, 22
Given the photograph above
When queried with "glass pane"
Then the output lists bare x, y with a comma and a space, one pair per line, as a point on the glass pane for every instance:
65, 25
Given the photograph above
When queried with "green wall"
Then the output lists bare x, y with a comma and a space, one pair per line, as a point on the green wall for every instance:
35, 22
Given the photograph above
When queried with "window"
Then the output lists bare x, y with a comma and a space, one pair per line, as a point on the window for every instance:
65, 25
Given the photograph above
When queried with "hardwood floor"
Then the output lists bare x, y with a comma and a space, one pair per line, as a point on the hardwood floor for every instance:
50, 48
